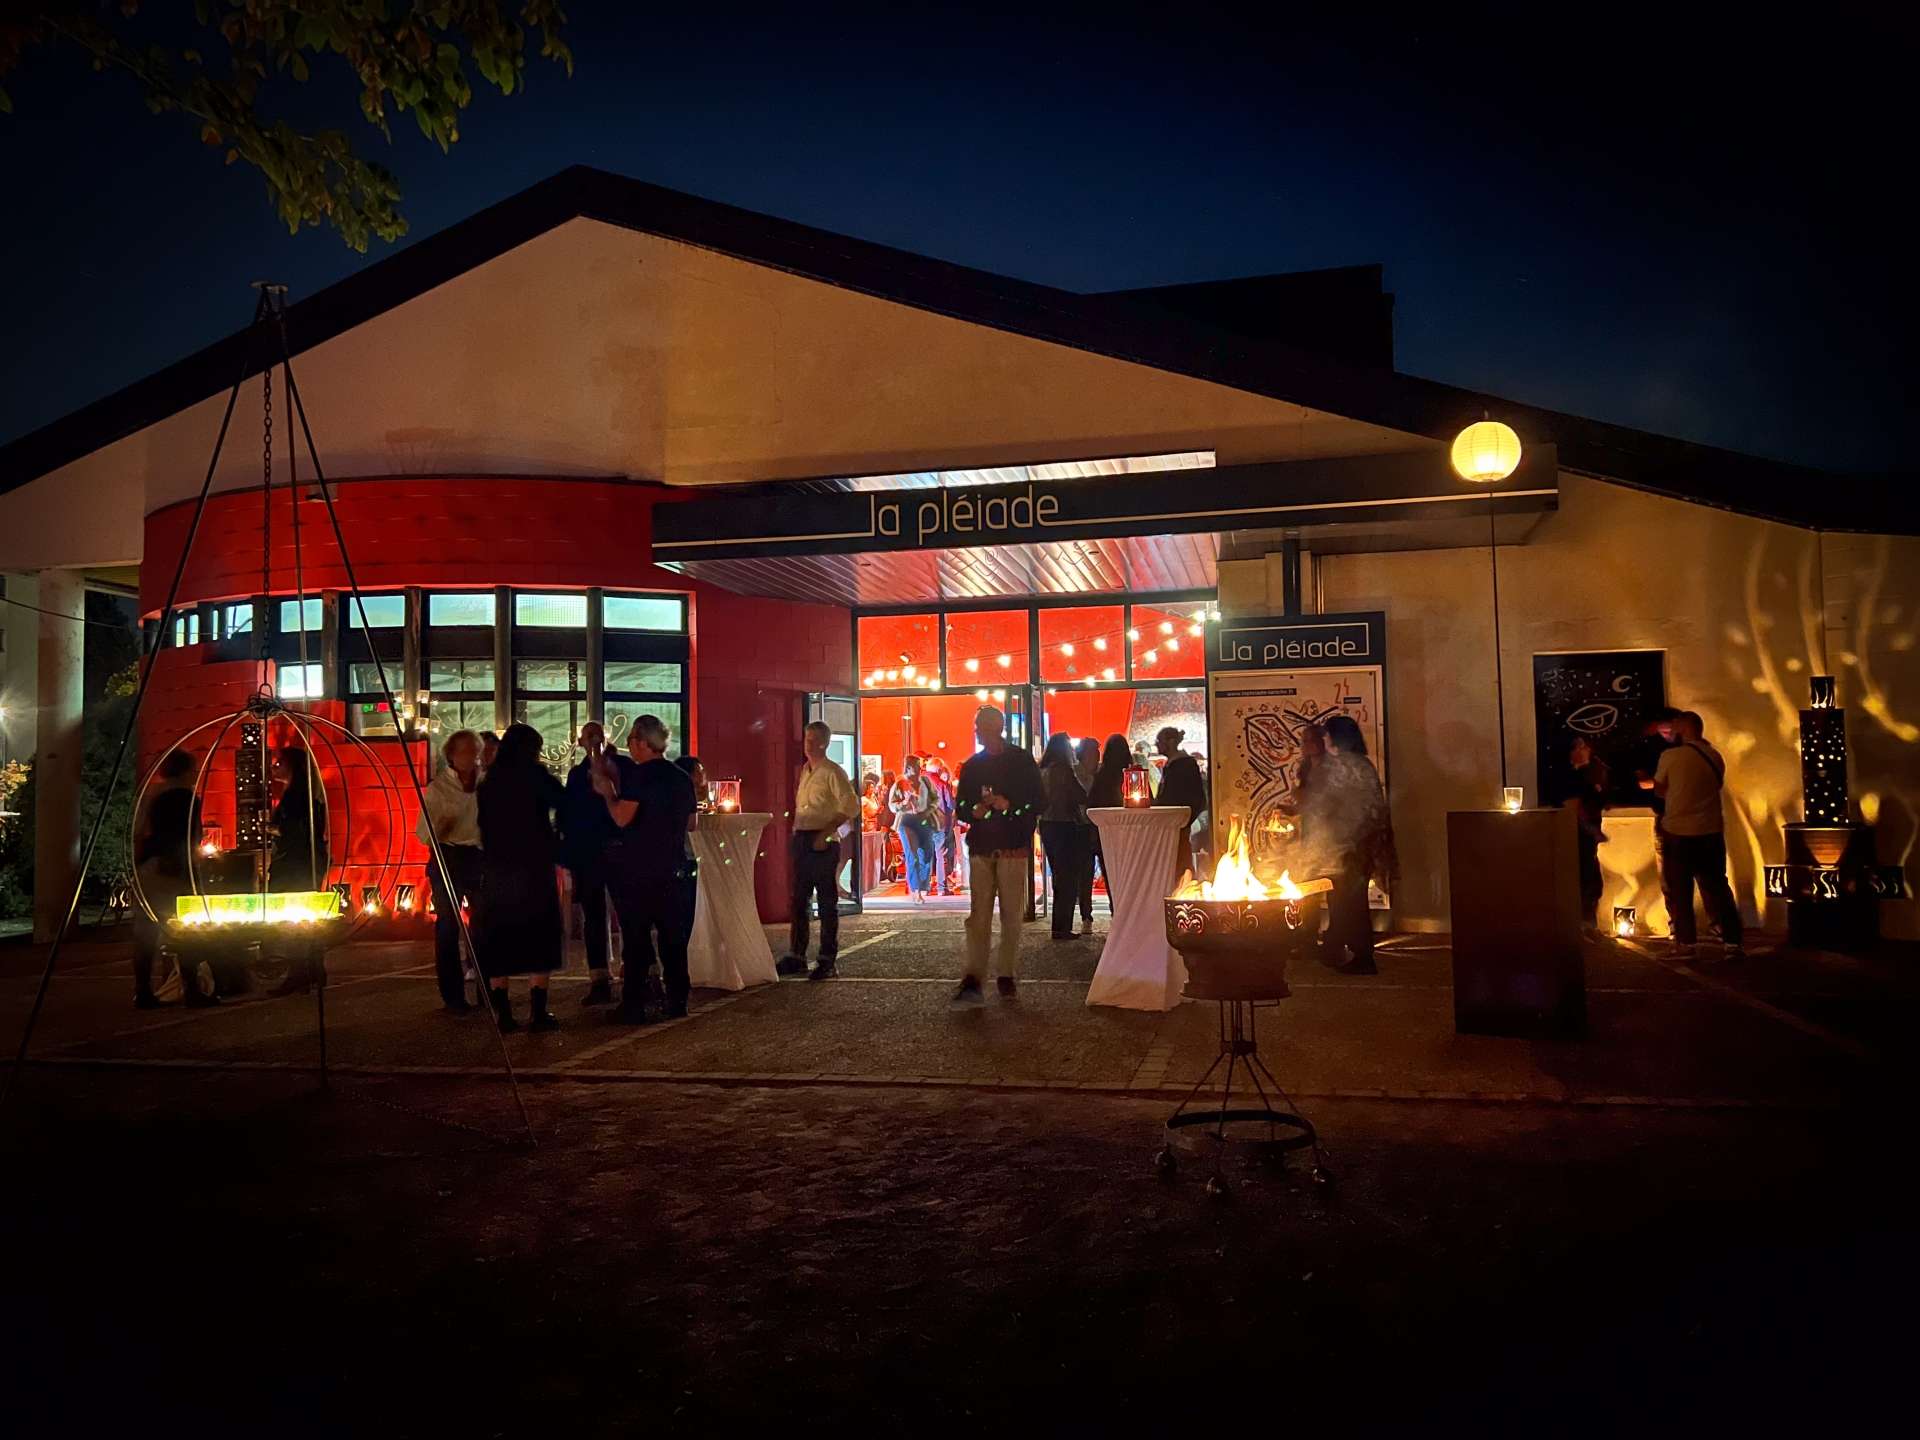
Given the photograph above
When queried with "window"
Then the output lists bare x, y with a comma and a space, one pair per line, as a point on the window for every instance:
564, 676
469, 676
551, 612
460, 607
298, 615
299, 682
642, 676
384, 612
621, 715
462, 693
644, 612
233, 620
364, 679
558, 721
899, 652
987, 648
1168, 644
1084, 643
186, 628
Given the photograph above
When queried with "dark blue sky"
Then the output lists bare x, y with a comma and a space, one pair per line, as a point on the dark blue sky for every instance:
1655, 221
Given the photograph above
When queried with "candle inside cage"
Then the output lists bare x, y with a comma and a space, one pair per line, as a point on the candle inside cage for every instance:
726, 795
1134, 789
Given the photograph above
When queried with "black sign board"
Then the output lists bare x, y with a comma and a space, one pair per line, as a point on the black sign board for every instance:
1607, 697
1298, 642
787, 520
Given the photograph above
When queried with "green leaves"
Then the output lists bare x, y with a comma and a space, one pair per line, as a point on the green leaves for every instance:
407, 54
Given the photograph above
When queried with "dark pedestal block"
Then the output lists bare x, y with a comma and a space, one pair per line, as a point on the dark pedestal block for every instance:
1517, 961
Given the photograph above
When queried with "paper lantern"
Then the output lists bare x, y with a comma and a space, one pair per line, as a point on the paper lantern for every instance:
1134, 790
1486, 451
726, 795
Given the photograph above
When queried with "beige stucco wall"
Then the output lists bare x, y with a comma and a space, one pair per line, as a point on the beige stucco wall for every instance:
593, 350
1734, 604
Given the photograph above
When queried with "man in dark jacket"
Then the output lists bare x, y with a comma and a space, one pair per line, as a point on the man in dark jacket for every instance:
999, 800
650, 802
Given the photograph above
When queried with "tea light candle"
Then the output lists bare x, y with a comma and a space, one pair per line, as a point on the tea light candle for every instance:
1511, 798
726, 795
1135, 793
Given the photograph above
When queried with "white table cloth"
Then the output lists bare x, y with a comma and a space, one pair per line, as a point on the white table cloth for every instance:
1138, 969
729, 950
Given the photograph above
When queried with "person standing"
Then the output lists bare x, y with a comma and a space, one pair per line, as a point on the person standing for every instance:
942, 827
911, 801
452, 816
585, 832
520, 930
1693, 850
650, 801
1062, 814
1583, 789
1180, 784
1348, 824
999, 800
823, 805
299, 859
1108, 792
1086, 769
164, 837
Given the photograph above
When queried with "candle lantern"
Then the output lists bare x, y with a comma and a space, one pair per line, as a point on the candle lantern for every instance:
1625, 920
1134, 790
726, 795
403, 899
1823, 692
1511, 799
369, 899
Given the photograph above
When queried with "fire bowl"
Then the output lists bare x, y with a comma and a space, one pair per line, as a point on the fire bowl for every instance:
1239, 949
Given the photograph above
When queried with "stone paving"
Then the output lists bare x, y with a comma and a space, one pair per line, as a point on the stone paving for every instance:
1781, 1030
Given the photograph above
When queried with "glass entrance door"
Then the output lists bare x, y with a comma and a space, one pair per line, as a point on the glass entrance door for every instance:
841, 714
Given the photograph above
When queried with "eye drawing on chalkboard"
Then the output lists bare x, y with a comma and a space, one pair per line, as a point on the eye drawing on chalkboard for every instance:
1594, 719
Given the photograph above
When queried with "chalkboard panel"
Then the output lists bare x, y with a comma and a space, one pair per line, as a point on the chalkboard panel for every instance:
1607, 696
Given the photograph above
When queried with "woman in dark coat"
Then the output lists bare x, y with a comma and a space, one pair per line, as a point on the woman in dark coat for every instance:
1181, 784
519, 930
1347, 825
1108, 792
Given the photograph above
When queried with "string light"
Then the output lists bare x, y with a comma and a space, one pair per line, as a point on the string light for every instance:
1166, 627
1133, 634
1172, 644
1006, 662
1067, 648
973, 665
1147, 657
1099, 642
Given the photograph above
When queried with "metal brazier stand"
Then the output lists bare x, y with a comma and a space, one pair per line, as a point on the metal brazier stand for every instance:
1237, 953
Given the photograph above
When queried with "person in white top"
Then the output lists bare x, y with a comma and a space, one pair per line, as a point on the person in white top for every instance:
824, 804
1693, 846
452, 815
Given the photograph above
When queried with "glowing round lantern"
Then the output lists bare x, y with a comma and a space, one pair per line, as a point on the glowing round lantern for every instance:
1486, 451
232, 893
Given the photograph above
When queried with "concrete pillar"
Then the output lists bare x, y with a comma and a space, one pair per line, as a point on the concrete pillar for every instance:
56, 766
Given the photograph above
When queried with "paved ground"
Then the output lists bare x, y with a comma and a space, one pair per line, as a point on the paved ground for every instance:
1781, 1030
1694, 1218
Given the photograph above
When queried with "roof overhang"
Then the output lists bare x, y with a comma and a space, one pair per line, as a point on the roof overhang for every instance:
1161, 531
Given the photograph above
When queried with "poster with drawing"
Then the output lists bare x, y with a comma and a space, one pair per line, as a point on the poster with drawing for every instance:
1606, 697
1255, 719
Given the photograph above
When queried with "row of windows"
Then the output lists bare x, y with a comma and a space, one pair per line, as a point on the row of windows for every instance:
462, 609
459, 677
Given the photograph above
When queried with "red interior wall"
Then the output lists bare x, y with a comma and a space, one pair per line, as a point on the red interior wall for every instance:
937, 720
1098, 713
753, 659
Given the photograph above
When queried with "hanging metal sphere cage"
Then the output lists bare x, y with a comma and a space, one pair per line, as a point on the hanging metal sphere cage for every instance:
230, 895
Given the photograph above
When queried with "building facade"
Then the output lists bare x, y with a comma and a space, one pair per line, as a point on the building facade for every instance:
587, 449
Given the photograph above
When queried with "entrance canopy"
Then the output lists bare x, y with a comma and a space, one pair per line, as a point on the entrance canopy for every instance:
970, 535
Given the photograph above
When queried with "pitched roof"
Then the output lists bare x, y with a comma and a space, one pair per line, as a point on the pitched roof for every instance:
1128, 327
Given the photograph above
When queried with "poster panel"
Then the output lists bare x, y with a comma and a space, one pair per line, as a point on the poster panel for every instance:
1606, 697
1255, 721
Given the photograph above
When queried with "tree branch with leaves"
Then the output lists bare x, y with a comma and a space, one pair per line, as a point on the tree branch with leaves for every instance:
416, 58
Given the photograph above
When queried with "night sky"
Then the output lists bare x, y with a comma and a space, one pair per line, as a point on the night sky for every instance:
1699, 231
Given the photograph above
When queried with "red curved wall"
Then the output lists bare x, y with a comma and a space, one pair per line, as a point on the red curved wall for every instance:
753, 659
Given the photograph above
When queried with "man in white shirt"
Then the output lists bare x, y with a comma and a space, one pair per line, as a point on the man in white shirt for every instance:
824, 804
1693, 846
452, 814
